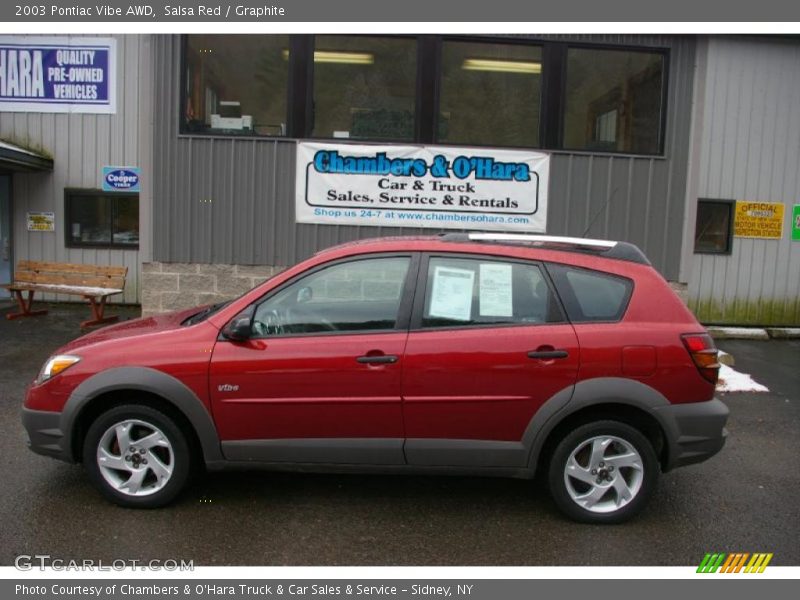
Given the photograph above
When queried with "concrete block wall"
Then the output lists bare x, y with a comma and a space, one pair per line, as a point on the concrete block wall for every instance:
174, 286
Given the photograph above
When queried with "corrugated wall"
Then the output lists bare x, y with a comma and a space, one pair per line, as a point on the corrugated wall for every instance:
232, 201
80, 145
750, 151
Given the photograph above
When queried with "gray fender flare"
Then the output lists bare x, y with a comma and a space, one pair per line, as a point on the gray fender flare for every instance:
591, 392
147, 380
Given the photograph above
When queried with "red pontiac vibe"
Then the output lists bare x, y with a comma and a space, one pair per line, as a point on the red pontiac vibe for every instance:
485, 354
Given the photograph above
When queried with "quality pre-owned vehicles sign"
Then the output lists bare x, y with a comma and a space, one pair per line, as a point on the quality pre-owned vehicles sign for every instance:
57, 74
428, 186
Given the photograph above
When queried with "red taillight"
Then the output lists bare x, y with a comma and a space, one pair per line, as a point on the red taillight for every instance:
704, 354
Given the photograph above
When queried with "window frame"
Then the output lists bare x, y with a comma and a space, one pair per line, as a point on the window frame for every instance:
183, 130
69, 198
665, 78
731, 205
403, 312
541, 134
420, 296
309, 127
552, 101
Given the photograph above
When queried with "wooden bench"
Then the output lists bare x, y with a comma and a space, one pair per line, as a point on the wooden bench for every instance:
94, 283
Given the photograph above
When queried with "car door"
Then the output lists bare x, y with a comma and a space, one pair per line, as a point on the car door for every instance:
318, 380
488, 345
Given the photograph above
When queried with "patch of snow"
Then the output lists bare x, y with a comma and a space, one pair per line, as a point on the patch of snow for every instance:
731, 380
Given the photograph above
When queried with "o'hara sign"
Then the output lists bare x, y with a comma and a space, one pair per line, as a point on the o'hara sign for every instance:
409, 186
57, 74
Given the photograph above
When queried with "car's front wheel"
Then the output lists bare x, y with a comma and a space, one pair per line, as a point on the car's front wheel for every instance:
137, 456
603, 472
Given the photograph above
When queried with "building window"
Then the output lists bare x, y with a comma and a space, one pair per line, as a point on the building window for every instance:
95, 218
490, 94
510, 92
236, 84
713, 231
614, 101
365, 87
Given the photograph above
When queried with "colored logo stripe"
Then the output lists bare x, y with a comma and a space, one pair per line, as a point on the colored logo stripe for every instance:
758, 563
734, 562
711, 563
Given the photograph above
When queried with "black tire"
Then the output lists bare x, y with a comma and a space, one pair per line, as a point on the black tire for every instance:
139, 421
603, 499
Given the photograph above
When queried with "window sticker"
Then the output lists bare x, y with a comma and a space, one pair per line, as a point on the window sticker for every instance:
495, 290
451, 297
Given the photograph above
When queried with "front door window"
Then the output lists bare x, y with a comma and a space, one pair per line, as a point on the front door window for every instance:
361, 295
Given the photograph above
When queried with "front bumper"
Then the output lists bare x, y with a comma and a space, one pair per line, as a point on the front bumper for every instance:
695, 433
44, 433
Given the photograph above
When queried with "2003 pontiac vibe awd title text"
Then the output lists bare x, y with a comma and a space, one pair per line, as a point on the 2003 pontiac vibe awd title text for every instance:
146, 10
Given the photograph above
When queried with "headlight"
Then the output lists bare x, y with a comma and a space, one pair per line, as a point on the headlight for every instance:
55, 365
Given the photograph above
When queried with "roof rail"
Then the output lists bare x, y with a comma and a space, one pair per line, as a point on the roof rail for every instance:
605, 248
543, 239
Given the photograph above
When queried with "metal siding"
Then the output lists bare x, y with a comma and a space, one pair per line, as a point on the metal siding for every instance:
750, 151
145, 125
80, 145
251, 183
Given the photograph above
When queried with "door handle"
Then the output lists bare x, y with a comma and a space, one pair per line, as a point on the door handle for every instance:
548, 354
380, 359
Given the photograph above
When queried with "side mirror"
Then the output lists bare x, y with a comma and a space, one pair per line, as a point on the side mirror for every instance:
239, 329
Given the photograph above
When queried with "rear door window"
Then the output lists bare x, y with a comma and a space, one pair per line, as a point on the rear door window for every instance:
591, 295
469, 292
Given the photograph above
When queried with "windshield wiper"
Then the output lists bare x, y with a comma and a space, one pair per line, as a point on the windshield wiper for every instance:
204, 314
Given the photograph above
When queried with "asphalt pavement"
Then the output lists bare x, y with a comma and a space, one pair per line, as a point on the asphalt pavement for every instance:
744, 499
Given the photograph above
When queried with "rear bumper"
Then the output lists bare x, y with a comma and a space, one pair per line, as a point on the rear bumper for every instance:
696, 431
44, 433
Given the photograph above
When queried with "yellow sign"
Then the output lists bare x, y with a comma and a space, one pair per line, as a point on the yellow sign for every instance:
758, 220
41, 221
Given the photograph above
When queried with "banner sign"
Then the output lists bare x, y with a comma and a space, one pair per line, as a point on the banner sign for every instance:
41, 221
120, 179
57, 74
411, 186
758, 220
796, 223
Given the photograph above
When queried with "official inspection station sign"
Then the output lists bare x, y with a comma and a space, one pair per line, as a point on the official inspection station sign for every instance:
413, 186
762, 220
57, 74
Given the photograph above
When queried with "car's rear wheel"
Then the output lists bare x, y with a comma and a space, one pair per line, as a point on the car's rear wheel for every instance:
137, 456
603, 472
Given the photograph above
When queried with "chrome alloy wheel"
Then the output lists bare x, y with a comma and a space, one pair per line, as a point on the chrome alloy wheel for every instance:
603, 474
135, 458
